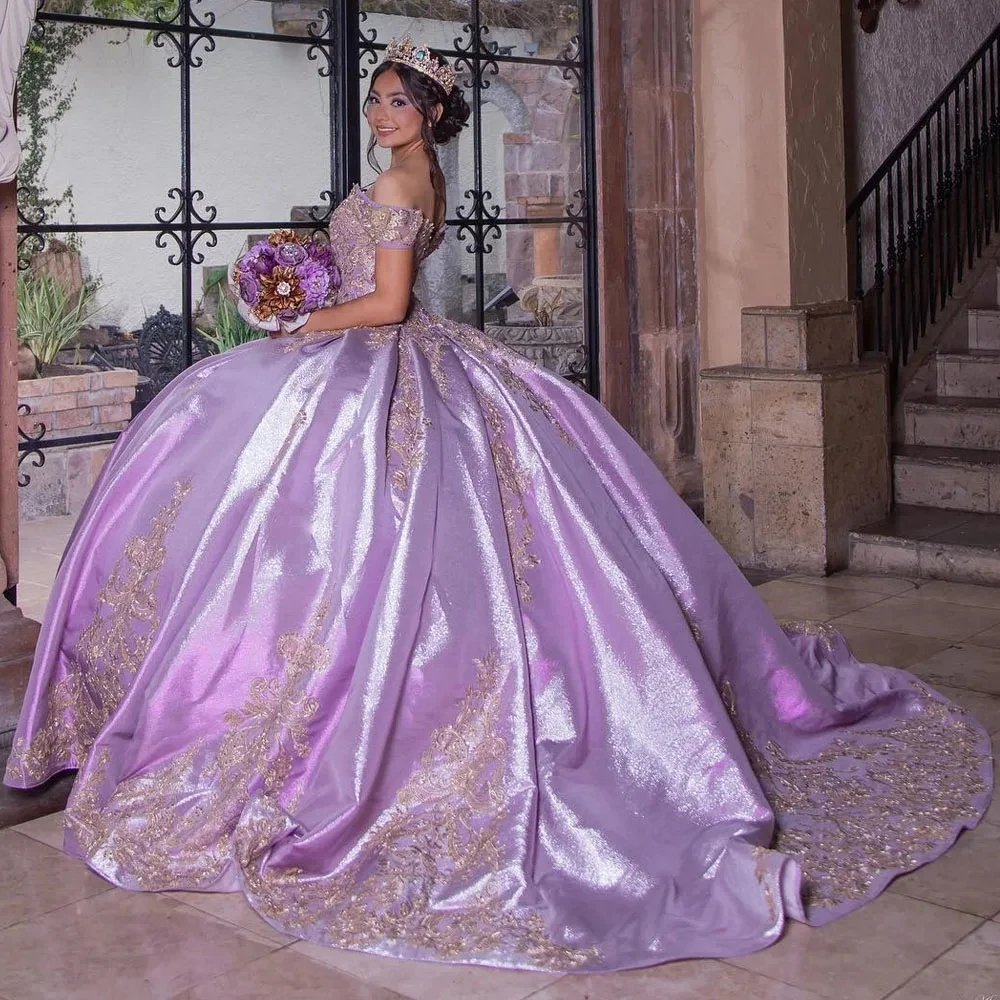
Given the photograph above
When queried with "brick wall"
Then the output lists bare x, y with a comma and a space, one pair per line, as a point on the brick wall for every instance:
92, 402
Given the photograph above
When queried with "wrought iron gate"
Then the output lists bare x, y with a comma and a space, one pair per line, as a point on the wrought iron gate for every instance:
544, 46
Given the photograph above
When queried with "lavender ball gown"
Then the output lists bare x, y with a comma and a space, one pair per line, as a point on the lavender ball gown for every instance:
406, 639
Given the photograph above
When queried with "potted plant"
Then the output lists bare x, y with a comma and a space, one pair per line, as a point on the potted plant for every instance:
49, 316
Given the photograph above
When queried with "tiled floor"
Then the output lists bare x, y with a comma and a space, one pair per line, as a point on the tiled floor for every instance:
42, 544
934, 936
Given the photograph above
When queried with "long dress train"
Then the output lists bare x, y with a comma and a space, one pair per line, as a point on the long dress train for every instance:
406, 639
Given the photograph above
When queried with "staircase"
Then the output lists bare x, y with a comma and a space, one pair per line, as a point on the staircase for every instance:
926, 236
946, 470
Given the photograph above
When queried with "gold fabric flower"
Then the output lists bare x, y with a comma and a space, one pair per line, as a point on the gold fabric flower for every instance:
280, 291
280, 236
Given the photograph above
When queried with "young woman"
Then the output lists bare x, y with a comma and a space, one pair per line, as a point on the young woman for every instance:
407, 640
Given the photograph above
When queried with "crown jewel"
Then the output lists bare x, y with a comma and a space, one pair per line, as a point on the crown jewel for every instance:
420, 58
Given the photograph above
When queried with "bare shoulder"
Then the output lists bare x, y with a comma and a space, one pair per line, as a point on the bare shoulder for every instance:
398, 189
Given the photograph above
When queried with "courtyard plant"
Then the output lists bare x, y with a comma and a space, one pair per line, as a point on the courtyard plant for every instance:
49, 316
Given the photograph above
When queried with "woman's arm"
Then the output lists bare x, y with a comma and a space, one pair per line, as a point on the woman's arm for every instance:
394, 274
388, 304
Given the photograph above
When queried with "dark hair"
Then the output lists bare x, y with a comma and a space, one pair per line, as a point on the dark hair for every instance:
426, 94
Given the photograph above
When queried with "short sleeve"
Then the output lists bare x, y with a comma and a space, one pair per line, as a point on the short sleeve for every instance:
393, 228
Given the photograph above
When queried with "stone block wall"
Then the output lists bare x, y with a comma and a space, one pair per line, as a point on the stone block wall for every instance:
68, 406
542, 168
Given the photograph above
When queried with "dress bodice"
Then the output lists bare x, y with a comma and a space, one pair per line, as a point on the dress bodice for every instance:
360, 225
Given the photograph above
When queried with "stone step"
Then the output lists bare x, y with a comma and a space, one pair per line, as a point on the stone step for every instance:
17, 647
926, 543
948, 478
984, 329
953, 422
970, 374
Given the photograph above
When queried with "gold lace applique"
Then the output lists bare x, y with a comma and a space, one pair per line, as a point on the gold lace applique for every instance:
762, 874
514, 483
386, 224
824, 631
270, 730
72, 722
171, 827
871, 803
504, 361
442, 833
407, 421
107, 655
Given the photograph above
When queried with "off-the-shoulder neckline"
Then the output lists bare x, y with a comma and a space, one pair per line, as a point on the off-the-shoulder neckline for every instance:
365, 196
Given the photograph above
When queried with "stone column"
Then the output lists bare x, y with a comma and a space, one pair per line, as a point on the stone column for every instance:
545, 237
658, 184
795, 431
795, 441
616, 365
770, 127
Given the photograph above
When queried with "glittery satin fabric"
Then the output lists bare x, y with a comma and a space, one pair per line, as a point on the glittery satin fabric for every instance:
405, 638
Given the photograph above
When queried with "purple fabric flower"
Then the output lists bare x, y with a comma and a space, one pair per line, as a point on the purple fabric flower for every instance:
322, 253
290, 254
315, 282
314, 264
259, 259
249, 289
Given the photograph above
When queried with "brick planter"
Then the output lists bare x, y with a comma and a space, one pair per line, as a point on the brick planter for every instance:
91, 402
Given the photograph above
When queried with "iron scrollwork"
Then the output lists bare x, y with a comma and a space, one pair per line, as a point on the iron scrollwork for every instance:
344, 45
368, 47
477, 225
579, 218
321, 33
28, 445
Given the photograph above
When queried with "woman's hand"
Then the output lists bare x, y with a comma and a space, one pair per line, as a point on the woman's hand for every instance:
311, 325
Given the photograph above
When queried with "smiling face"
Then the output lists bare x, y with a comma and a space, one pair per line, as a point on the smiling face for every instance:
392, 116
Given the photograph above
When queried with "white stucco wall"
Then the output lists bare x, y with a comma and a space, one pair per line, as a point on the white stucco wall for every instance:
259, 114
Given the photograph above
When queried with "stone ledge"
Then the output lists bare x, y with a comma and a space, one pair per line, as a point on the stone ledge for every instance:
791, 374
114, 379
926, 559
61, 486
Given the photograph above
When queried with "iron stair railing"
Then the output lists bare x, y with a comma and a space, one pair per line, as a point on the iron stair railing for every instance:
924, 218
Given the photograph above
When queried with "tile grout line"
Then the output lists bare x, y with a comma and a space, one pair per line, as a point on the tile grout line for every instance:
56, 909
911, 635
542, 989
944, 906
765, 975
169, 894
784, 982
895, 990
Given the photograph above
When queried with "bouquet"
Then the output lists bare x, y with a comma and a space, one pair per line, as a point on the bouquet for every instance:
282, 279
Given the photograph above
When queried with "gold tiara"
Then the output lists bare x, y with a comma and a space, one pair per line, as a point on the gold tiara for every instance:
420, 58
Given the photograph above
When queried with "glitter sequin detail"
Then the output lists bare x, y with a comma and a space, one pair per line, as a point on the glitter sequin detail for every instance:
514, 484
873, 803
110, 650
172, 826
444, 830
407, 420
505, 364
827, 635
